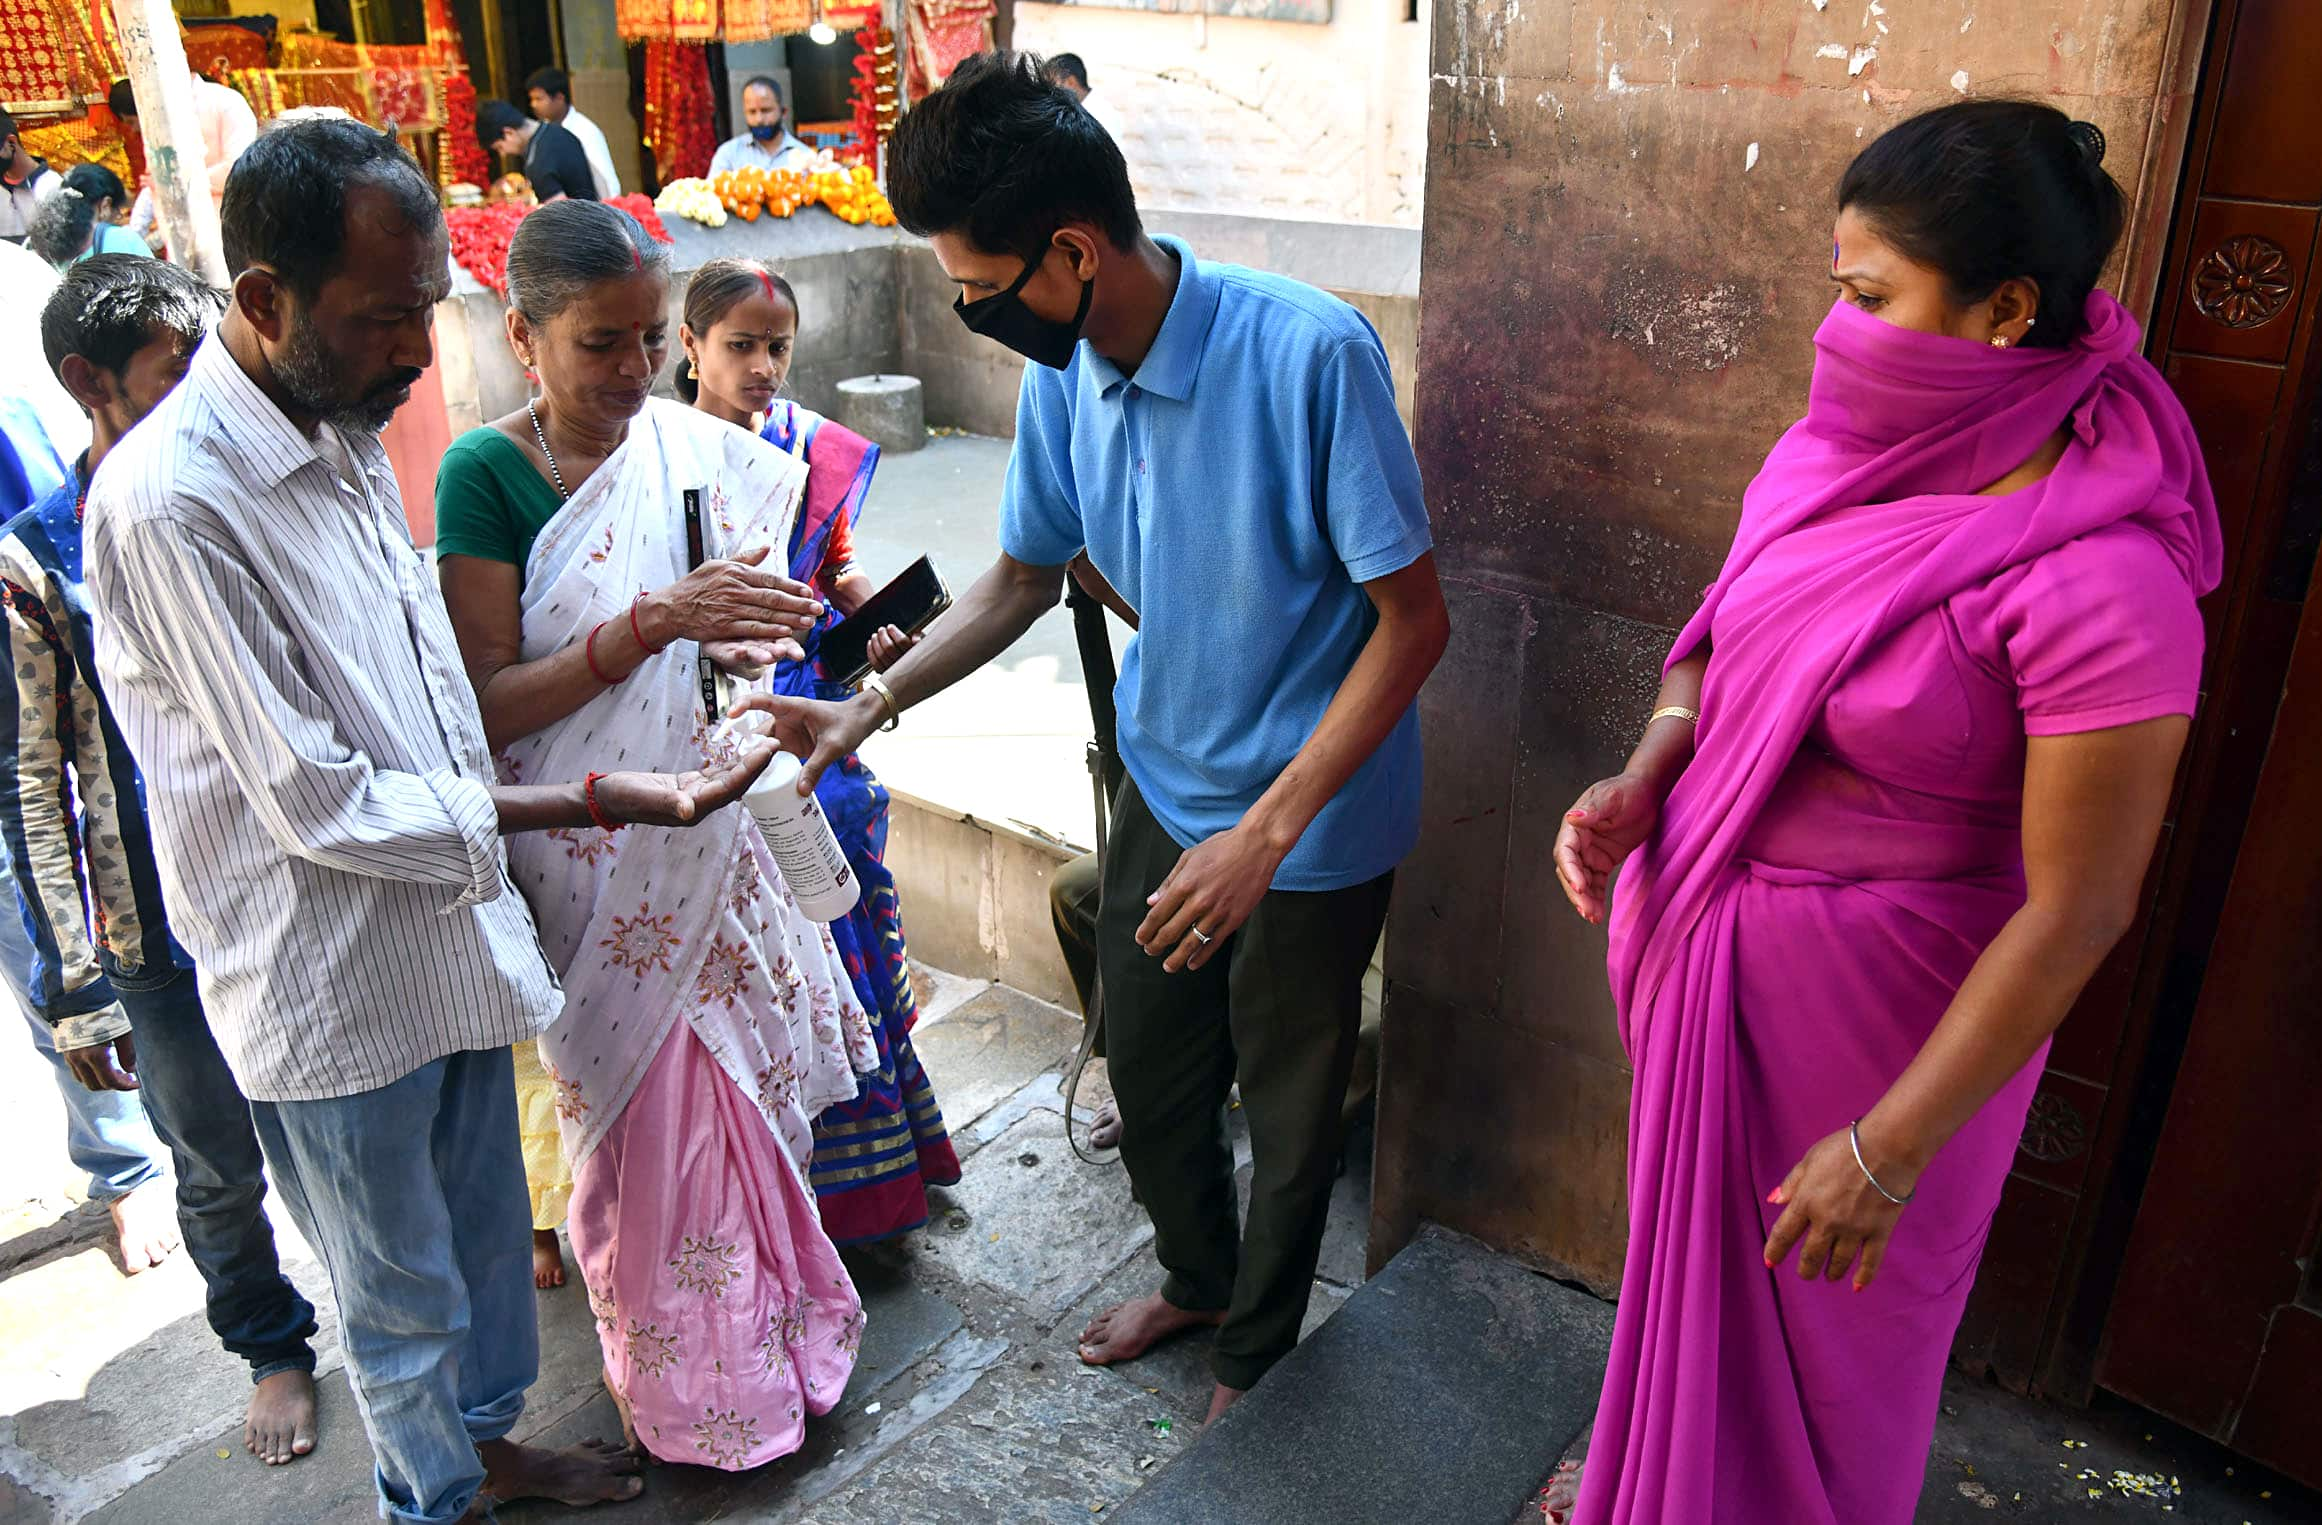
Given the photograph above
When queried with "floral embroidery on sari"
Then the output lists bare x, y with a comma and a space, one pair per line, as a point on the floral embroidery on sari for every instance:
641, 942
727, 1436
703, 1265
650, 1351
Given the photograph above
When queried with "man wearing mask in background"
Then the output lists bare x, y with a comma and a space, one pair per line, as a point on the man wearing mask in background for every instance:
768, 144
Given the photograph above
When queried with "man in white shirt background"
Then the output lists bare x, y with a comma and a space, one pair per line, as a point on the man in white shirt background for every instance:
768, 142
25, 182
326, 814
1070, 72
551, 94
228, 127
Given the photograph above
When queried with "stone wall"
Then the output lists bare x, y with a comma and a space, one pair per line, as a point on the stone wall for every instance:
875, 300
1626, 245
971, 382
1266, 118
845, 279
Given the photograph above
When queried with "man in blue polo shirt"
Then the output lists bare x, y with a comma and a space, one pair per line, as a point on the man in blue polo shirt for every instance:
1224, 446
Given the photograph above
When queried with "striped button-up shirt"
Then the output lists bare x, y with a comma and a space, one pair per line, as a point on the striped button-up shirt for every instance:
314, 762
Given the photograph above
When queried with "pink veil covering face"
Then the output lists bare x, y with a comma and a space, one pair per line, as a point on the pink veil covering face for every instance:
1902, 431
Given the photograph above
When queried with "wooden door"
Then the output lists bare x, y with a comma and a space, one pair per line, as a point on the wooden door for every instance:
2234, 325
2216, 1319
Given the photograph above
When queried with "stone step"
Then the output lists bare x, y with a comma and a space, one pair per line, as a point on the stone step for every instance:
1442, 1392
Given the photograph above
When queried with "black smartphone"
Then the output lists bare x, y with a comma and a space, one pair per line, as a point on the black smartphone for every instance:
910, 603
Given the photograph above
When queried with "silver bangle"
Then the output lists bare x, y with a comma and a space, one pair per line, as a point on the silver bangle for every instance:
1854, 1137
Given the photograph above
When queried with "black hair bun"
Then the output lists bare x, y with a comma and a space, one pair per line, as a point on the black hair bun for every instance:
2090, 140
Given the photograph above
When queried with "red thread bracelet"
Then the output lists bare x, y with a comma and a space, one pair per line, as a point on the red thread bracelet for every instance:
589, 650
597, 812
651, 650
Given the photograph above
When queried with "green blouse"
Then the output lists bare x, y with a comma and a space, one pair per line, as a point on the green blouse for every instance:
490, 500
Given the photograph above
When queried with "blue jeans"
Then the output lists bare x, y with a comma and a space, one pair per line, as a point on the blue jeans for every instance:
414, 1196
106, 1132
200, 1114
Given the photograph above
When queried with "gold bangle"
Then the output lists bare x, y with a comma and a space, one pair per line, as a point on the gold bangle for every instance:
878, 685
1674, 712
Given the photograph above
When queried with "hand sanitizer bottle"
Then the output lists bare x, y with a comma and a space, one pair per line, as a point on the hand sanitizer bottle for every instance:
800, 838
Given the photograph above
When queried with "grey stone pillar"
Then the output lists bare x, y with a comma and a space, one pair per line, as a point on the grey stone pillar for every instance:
889, 411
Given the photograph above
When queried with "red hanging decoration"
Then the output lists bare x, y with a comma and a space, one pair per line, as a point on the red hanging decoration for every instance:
480, 235
678, 111
873, 95
468, 161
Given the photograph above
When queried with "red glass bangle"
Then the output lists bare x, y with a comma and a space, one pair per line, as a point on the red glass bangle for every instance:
597, 811
636, 630
589, 650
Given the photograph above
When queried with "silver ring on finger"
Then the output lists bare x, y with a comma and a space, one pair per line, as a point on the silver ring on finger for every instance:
1203, 936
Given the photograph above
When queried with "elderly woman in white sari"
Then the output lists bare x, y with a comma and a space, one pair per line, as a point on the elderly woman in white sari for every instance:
706, 1019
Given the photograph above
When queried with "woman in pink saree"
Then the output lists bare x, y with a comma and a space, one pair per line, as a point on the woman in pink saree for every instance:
1909, 764
706, 1019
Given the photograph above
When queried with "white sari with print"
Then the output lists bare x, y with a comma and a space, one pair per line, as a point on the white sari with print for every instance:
648, 925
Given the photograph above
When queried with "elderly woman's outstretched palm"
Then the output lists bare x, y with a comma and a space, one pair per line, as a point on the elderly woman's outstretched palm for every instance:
682, 799
1610, 820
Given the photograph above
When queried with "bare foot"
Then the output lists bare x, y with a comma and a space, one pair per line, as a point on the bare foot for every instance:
637, 1448
145, 1224
1220, 1401
593, 1472
1562, 1495
1105, 1132
547, 1259
280, 1427
1127, 1330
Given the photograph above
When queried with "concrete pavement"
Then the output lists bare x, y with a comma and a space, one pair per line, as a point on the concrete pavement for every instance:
116, 1405
1006, 744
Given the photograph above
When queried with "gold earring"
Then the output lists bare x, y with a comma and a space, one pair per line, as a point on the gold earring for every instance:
1999, 341
692, 371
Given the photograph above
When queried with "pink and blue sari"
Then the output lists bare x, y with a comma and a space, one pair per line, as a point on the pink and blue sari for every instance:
874, 1156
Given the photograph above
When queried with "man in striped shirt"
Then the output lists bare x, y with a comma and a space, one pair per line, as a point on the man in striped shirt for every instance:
100, 966
326, 816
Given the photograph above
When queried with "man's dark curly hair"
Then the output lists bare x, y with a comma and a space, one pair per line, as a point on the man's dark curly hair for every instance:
1005, 158
286, 199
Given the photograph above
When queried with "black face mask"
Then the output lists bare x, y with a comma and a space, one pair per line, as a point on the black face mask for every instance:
1006, 319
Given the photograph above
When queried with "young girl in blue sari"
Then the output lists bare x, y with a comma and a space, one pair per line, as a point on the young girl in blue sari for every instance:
875, 1156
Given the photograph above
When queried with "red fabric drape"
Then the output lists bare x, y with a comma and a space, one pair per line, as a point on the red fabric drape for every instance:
54, 56
943, 34
729, 20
